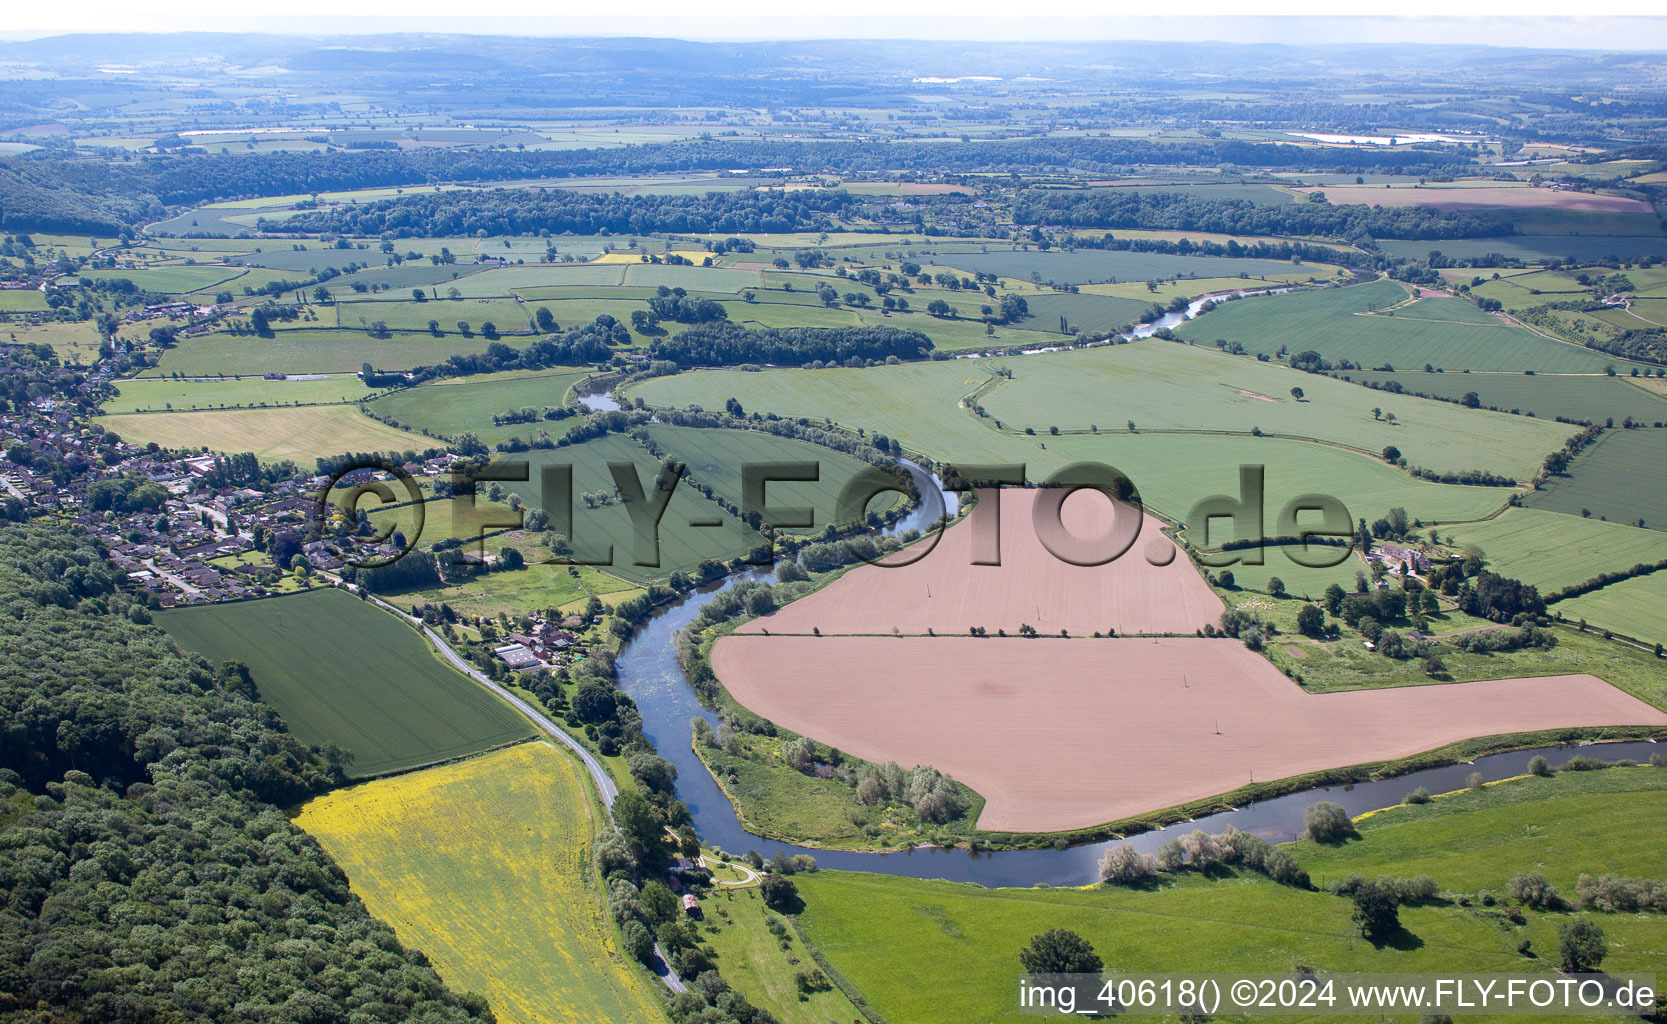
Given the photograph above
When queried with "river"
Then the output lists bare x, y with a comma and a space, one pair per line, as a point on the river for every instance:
649, 672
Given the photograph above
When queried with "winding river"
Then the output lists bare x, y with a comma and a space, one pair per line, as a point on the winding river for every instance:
649, 672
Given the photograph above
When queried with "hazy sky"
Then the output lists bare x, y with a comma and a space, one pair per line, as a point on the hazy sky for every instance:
1626, 24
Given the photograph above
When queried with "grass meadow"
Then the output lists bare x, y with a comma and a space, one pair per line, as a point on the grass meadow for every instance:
1477, 839
301, 433
485, 866
342, 671
941, 951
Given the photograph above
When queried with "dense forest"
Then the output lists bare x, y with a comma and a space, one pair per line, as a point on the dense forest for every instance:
1127, 208
148, 873
51, 192
531, 211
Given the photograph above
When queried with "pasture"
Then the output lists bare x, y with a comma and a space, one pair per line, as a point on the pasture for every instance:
72, 342
760, 965
301, 433
174, 280
1165, 386
146, 394
946, 953
22, 300
340, 670
1635, 607
1612, 479
1192, 718
946, 592
1472, 840
1590, 397
450, 407
1553, 550
1447, 333
485, 866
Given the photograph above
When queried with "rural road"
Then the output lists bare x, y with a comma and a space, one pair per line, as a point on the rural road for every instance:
598, 774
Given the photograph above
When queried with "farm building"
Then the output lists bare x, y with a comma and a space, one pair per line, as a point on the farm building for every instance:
517, 656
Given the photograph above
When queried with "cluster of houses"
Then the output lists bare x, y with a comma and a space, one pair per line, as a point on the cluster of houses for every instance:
544, 645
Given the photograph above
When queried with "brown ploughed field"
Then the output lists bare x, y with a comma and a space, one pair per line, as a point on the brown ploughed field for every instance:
946, 593
1482, 198
1061, 734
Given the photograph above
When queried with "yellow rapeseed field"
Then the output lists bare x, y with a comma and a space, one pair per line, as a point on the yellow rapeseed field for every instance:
484, 865
693, 255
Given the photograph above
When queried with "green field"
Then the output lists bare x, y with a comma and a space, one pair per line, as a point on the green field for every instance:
174, 280
1532, 248
1617, 479
1086, 266
761, 966
72, 342
342, 671
1165, 386
537, 587
301, 433
1553, 550
153, 393
450, 407
1635, 607
22, 300
486, 867
918, 404
1448, 333
1472, 840
311, 350
1586, 397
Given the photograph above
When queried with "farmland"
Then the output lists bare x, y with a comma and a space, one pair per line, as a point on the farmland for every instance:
485, 866
1635, 607
946, 591
1592, 397
146, 394
1163, 386
1473, 840
367, 684
451, 407
299, 433
919, 405
308, 350
1087, 266
1604, 481
1447, 333
1553, 550
1168, 700
944, 953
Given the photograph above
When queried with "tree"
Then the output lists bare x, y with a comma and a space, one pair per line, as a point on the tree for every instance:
1276, 586
1471, 400
1333, 598
1327, 822
1580, 946
780, 894
659, 902
638, 942
1376, 909
1060, 951
1377, 413
1296, 393
1226, 578
1391, 453
1310, 620
938, 307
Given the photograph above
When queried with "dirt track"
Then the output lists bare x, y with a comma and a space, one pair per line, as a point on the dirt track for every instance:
1060, 734
946, 593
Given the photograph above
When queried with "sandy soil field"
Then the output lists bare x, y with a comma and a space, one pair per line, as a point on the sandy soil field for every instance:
1059, 734
947, 593
1481, 198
